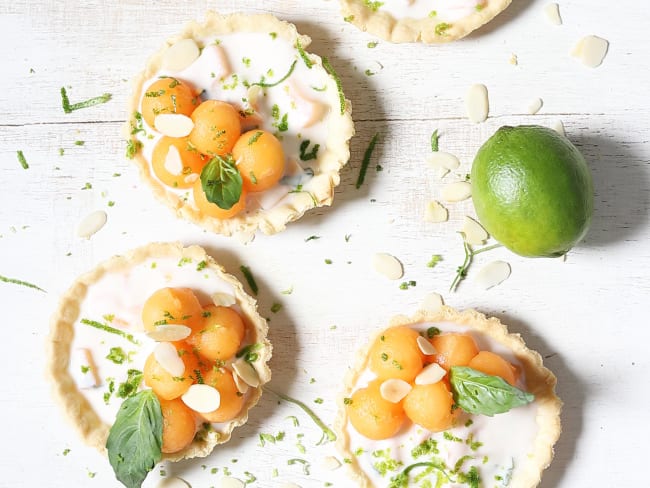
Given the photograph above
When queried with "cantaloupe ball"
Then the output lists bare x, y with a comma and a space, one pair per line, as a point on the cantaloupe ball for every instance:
396, 354
490, 363
172, 306
212, 209
164, 384
221, 334
176, 163
168, 96
231, 400
430, 406
453, 349
179, 425
260, 159
216, 127
372, 416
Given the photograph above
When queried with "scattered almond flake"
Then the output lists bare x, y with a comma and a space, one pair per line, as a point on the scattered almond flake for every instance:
330, 463
387, 265
477, 104
513, 60
432, 302
91, 224
591, 51
254, 93
456, 192
425, 346
173, 162
169, 333
202, 398
223, 299
552, 13
534, 106
474, 232
230, 482
289, 485
241, 385
394, 390
430, 374
442, 163
167, 356
191, 178
180, 55
558, 127
82, 368
173, 125
173, 482
246, 372
435, 212
492, 274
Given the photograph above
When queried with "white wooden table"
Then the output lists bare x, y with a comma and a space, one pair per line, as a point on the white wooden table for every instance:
587, 315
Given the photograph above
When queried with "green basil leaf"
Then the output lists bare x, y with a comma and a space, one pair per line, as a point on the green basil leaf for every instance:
135, 439
221, 182
483, 394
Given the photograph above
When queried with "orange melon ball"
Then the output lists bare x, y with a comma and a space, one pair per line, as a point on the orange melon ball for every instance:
172, 306
165, 385
232, 400
176, 163
453, 349
212, 209
372, 416
396, 354
216, 127
168, 96
260, 159
179, 425
221, 334
490, 363
430, 406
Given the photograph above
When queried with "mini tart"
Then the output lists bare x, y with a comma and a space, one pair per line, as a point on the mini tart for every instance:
490, 334
429, 21
257, 47
118, 287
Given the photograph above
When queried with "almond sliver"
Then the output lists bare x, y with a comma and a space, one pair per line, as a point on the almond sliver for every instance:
477, 103
229, 482
173, 162
180, 55
241, 385
169, 333
223, 299
425, 346
435, 212
432, 302
202, 398
535, 106
173, 125
168, 358
456, 192
552, 13
591, 51
474, 232
387, 265
394, 390
492, 274
430, 374
442, 163
330, 463
91, 224
246, 372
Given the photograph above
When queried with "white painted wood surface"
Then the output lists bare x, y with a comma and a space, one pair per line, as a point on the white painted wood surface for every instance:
587, 316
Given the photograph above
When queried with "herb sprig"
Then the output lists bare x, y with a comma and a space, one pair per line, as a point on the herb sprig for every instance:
21, 283
461, 271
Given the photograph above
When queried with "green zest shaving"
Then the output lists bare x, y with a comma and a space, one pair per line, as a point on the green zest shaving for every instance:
328, 67
67, 107
22, 160
303, 55
249, 278
112, 330
307, 156
263, 84
366, 160
434, 141
21, 283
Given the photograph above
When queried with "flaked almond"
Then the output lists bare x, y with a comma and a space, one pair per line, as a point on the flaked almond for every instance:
534, 106
552, 13
513, 60
289, 485
425, 346
241, 385
474, 232
435, 212
254, 93
230, 482
179, 56
169, 333
173, 162
91, 224
246, 372
432, 302
330, 463
456, 192
591, 51
168, 358
492, 274
394, 390
202, 398
442, 163
430, 374
173, 125
387, 265
477, 104
223, 299
558, 127
173, 482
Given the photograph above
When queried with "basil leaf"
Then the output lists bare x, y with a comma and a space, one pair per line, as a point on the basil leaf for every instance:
483, 394
221, 182
135, 439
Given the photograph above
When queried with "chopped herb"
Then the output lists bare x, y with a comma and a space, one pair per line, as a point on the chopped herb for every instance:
273, 35
22, 160
305, 464
461, 271
111, 203
250, 478
432, 332
303, 55
67, 107
61, 151
253, 139
246, 61
379, 167
328, 261
66, 452
249, 278
130, 386
374, 6
112, 330
182, 262
288, 291
434, 141
348, 18
276, 307
263, 84
319, 401
79, 143
372, 44
441, 29
369, 72
87, 186
366, 160
115, 175
116, 355
405, 285
249, 353
307, 156
132, 147
312, 238
347, 237
198, 376
85, 369
435, 259
21, 283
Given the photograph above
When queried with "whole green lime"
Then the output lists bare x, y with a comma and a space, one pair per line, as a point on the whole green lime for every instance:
532, 190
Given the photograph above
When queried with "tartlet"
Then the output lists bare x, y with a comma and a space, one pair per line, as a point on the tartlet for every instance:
463, 452
258, 65
86, 362
429, 21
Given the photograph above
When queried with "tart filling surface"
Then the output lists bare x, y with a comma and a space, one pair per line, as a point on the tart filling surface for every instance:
258, 66
430, 21
457, 448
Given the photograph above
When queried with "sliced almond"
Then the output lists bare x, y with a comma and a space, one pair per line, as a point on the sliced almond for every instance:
477, 104
173, 482
513, 60
552, 13
202, 398
394, 390
558, 127
474, 232
535, 106
223, 299
425, 346
387, 265
442, 163
246, 372
330, 463
254, 93
169, 333
289, 485
430, 374
432, 302
435, 212
173, 125
241, 385
82, 367
91, 224
173, 162
456, 192
229, 482
591, 51
191, 178
168, 358
179, 56
492, 274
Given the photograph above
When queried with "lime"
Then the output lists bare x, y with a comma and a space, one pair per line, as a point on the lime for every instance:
532, 190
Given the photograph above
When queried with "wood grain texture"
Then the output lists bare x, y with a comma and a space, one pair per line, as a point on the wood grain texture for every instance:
586, 315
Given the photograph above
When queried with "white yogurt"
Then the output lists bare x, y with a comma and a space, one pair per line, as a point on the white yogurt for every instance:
442, 10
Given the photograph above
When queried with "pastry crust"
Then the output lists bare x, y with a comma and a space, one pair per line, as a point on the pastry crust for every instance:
328, 164
79, 411
383, 24
540, 382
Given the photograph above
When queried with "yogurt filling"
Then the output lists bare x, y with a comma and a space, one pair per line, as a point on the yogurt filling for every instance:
442, 10
478, 447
